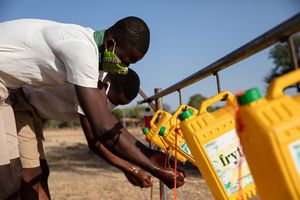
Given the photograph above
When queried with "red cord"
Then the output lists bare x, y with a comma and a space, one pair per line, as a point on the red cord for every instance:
163, 188
239, 178
175, 164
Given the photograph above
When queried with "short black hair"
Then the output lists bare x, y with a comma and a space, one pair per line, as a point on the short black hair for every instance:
128, 84
135, 32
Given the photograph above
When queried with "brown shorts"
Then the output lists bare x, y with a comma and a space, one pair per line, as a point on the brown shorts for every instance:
29, 128
8, 134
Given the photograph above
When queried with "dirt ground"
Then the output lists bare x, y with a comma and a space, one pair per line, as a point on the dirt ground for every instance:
77, 173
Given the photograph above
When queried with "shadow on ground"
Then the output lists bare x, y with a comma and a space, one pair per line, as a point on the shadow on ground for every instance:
77, 158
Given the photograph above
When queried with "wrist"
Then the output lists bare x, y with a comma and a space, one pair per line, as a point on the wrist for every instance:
156, 171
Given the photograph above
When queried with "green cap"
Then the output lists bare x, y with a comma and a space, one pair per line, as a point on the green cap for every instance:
145, 130
185, 114
249, 96
162, 131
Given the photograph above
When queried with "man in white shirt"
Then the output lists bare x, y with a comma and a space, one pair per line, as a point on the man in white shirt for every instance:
31, 105
41, 52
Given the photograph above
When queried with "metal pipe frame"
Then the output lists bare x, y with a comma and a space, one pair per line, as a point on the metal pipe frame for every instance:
277, 34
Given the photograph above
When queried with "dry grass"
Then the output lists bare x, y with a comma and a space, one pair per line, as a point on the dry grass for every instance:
77, 173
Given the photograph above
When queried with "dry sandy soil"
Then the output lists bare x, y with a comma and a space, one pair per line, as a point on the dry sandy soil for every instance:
77, 173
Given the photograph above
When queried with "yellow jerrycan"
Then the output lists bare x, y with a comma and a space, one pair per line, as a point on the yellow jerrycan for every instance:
297, 98
269, 130
213, 141
169, 131
160, 119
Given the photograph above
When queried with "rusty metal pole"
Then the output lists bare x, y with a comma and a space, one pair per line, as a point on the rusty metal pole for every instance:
142, 93
163, 188
293, 52
293, 56
158, 102
144, 96
289, 27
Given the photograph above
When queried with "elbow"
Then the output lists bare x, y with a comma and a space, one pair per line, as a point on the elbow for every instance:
101, 129
109, 134
93, 145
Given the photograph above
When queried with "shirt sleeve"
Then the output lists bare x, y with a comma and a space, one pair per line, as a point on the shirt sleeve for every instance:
77, 107
81, 62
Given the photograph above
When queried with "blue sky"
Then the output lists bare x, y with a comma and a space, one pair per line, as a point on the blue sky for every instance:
186, 36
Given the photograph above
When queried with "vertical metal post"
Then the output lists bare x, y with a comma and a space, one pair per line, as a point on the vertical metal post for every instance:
163, 188
124, 118
293, 56
216, 74
180, 98
293, 52
141, 92
158, 102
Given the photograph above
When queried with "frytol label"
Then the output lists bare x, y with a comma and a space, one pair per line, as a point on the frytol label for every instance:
229, 162
294, 148
186, 149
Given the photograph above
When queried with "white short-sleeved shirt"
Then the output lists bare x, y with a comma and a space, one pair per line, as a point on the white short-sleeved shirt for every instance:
42, 52
55, 102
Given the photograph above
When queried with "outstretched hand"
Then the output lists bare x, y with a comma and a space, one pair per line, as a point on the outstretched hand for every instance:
167, 176
138, 177
167, 173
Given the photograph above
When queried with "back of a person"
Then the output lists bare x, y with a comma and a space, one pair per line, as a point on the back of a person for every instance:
25, 34
32, 44
57, 103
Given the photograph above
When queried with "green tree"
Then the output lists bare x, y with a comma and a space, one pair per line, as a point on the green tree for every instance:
118, 113
133, 112
280, 54
136, 112
196, 100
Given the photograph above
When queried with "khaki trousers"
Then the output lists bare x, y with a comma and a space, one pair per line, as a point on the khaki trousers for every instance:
29, 129
8, 133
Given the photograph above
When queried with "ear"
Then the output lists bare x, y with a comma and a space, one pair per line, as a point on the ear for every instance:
101, 85
109, 43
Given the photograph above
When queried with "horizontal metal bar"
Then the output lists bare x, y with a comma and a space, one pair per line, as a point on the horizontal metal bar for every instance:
278, 33
144, 96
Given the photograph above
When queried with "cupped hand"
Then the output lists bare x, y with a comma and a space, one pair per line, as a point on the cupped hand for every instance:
138, 177
166, 175
160, 159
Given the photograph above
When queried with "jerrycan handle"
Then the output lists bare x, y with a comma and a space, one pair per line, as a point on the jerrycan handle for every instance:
165, 116
177, 113
218, 97
279, 84
155, 116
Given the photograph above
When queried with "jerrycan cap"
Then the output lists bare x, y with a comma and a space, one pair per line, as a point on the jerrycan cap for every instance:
162, 131
145, 130
185, 114
249, 96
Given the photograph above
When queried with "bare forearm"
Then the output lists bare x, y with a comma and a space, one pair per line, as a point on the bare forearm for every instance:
110, 158
124, 145
100, 150
106, 128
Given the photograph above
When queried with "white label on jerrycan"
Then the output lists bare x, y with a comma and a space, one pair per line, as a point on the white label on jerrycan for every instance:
295, 152
184, 147
225, 153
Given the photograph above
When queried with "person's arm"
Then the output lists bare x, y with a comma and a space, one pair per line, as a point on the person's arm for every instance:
110, 132
134, 174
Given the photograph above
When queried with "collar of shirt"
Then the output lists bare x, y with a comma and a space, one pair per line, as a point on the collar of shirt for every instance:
98, 37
